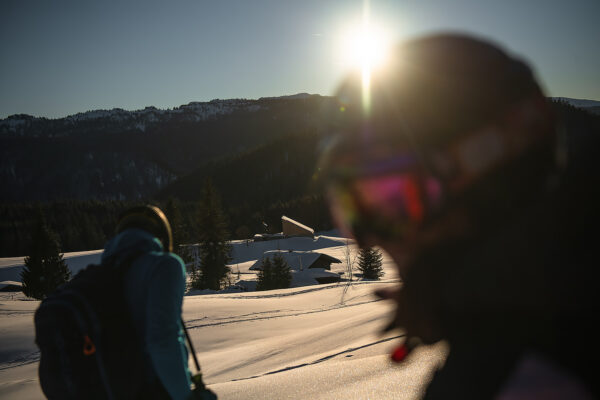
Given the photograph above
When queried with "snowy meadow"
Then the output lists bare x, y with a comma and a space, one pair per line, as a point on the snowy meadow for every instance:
311, 341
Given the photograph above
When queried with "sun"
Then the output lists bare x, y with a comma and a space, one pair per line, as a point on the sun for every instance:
365, 48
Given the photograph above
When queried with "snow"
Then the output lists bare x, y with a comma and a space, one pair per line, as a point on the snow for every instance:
143, 119
297, 260
247, 250
203, 111
10, 267
317, 342
297, 96
299, 263
10, 285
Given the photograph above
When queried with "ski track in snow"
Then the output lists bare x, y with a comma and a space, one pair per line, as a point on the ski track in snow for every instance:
235, 321
263, 315
10, 313
28, 358
313, 289
322, 359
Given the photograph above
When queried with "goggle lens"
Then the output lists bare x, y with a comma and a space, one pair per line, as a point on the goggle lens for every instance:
384, 206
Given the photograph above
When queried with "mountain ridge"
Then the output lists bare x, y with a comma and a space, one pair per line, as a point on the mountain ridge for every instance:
122, 155
194, 110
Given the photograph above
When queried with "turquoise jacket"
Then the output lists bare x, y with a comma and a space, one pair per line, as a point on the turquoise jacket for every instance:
154, 289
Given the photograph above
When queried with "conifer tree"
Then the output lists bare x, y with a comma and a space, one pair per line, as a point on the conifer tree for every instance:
282, 274
213, 239
275, 274
45, 269
265, 275
370, 263
174, 216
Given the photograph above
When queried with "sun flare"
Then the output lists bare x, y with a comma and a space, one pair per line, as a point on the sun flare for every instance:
365, 48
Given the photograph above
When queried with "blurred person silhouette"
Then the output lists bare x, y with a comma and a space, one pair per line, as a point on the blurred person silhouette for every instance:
129, 343
450, 159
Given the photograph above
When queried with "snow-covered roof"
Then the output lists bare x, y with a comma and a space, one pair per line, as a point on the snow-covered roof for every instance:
297, 260
14, 283
297, 224
311, 276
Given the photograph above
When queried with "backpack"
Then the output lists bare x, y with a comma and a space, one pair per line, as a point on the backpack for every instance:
88, 345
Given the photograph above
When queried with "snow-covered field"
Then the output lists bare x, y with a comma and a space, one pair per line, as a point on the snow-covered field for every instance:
306, 342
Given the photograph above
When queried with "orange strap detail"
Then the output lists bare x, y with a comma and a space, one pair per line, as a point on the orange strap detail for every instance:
88, 346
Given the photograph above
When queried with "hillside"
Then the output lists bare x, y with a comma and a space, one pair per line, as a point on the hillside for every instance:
132, 155
592, 106
128, 155
275, 174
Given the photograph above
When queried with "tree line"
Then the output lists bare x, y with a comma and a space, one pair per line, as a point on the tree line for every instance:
45, 268
87, 225
257, 186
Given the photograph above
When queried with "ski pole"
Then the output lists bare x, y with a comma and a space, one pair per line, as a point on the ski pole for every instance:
197, 378
189, 340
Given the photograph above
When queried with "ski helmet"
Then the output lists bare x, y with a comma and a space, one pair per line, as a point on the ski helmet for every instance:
149, 218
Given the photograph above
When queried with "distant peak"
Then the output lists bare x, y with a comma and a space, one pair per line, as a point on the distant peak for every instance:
120, 113
297, 96
581, 103
20, 117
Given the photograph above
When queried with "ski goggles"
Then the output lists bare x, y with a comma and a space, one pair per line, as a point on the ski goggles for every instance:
393, 196
387, 199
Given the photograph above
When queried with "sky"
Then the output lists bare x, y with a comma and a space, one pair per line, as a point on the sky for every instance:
63, 57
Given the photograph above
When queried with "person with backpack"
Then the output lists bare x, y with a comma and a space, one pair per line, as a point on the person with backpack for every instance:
115, 331
450, 159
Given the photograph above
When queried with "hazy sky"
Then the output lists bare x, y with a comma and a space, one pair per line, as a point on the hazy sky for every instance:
63, 57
